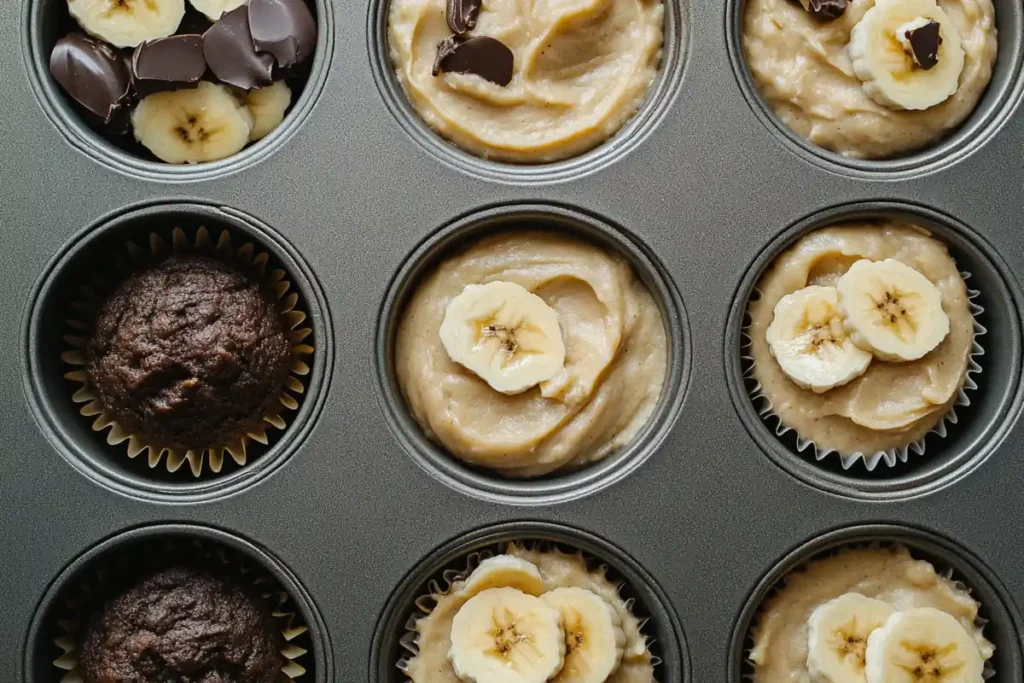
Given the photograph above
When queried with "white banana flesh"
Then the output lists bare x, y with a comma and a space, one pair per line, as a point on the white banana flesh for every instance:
505, 334
268, 106
214, 9
505, 571
594, 639
923, 644
891, 310
891, 75
128, 23
808, 339
838, 633
503, 635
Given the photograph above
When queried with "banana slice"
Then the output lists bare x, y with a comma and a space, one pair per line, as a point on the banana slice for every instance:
267, 106
891, 310
594, 639
191, 126
809, 342
127, 23
907, 53
503, 635
214, 9
838, 633
505, 571
923, 644
505, 334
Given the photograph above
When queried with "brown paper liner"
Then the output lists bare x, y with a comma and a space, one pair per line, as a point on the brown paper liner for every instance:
92, 296
278, 600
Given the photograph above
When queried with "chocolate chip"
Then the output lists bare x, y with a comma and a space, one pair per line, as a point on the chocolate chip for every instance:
168, 64
92, 73
228, 49
484, 56
461, 15
284, 28
924, 44
825, 10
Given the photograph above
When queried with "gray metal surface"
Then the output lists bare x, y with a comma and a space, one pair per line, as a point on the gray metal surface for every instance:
350, 512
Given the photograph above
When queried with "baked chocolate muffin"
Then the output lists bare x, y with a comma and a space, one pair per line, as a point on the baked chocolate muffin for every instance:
182, 625
188, 353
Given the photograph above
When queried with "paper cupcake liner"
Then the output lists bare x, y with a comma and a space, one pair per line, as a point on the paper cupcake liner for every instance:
266, 588
92, 296
442, 585
892, 456
947, 573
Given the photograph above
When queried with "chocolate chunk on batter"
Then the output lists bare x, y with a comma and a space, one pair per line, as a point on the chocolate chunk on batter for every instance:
484, 56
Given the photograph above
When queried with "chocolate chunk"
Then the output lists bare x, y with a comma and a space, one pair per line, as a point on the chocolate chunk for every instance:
168, 64
484, 56
924, 44
92, 73
461, 15
284, 28
825, 10
229, 51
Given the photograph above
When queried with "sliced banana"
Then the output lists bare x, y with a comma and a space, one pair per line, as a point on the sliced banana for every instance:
503, 635
923, 644
267, 106
594, 639
127, 23
893, 73
838, 633
205, 123
891, 310
214, 9
809, 342
505, 571
505, 334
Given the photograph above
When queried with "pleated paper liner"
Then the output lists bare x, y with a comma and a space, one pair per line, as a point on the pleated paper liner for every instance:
440, 585
256, 262
892, 456
947, 573
90, 592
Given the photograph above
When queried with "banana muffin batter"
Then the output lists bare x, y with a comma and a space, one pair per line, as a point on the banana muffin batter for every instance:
571, 72
870, 614
853, 84
883, 401
531, 352
577, 625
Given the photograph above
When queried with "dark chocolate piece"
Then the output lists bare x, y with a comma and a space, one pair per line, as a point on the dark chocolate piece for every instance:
92, 73
461, 15
484, 56
924, 44
825, 10
284, 28
229, 51
168, 64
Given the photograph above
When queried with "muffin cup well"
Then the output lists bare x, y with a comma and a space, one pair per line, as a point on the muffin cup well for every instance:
92, 296
893, 456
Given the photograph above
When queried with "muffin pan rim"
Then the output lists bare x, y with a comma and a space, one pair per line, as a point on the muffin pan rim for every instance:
869, 488
433, 458
283, 447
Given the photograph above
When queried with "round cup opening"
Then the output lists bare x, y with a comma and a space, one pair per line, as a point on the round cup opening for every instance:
48, 20
980, 426
50, 393
658, 100
650, 602
556, 487
127, 549
992, 111
1002, 629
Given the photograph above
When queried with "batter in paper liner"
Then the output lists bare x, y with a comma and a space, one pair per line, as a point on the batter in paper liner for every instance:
615, 363
581, 68
559, 570
803, 71
858, 417
889, 574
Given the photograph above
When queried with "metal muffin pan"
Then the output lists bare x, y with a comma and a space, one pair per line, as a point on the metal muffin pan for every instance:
703, 188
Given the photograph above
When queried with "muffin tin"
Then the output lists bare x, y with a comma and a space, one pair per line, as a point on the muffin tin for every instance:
349, 507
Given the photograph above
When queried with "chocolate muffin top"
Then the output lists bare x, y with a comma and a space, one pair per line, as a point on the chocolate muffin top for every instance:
188, 353
182, 625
